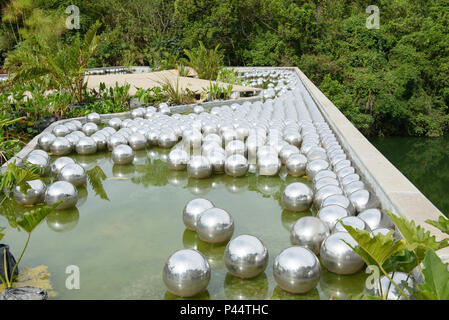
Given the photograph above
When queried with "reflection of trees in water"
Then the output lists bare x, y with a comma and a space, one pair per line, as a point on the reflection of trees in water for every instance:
340, 286
201, 296
246, 289
279, 294
424, 161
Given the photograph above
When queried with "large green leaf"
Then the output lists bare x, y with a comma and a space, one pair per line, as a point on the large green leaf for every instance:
436, 279
403, 261
17, 176
361, 296
29, 220
417, 238
374, 250
96, 177
442, 224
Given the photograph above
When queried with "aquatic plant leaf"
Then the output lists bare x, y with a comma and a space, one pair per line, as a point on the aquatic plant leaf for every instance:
404, 261
17, 176
436, 279
417, 238
374, 250
442, 224
96, 176
29, 220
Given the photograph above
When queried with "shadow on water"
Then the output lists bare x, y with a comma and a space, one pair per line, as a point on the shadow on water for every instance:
424, 161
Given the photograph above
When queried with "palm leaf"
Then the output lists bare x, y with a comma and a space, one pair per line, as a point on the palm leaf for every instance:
29, 220
96, 176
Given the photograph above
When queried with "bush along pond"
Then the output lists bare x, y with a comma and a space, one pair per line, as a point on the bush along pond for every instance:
246, 200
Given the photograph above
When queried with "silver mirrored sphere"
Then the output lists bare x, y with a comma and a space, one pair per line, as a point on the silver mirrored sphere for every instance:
94, 117
296, 270
296, 165
61, 191
297, 196
167, 138
115, 140
86, 145
315, 166
360, 199
137, 141
101, 140
199, 167
246, 256
352, 221
61, 130
376, 218
269, 165
115, 123
59, 163
338, 257
309, 232
331, 214
178, 159
192, 211
61, 147
236, 165
45, 140
34, 195
215, 225
90, 128
122, 154
186, 273
73, 173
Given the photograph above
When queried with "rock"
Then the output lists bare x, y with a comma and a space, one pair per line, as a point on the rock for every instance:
24, 293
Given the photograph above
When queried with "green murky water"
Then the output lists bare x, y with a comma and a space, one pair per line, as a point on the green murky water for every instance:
121, 236
424, 161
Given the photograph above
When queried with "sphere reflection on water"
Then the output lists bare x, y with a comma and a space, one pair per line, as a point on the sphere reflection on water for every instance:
246, 289
63, 220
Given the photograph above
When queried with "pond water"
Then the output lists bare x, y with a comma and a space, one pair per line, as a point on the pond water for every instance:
424, 161
124, 229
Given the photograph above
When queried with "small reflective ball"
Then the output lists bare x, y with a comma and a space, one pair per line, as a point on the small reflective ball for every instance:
59, 163
296, 270
338, 257
236, 165
309, 232
94, 117
246, 256
61, 191
86, 145
296, 165
33, 195
61, 147
192, 211
186, 273
297, 196
45, 140
178, 159
73, 173
199, 167
215, 225
90, 128
122, 154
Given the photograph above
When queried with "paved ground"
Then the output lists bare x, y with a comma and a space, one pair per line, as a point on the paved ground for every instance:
153, 79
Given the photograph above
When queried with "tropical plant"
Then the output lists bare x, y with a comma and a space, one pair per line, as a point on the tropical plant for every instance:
416, 250
217, 91
174, 93
96, 176
150, 95
28, 222
17, 176
63, 65
229, 75
206, 63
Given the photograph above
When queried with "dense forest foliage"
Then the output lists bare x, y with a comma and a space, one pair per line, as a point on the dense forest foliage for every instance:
388, 81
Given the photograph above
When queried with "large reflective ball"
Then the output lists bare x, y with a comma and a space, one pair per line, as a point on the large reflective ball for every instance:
34, 195
297, 196
376, 218
115, 140
360, 199
86, 145
178, 159
338, 257
246, 256
215, 225
325, 192
61, 191
217, 159
59, 163
268, 165
331, 214
340, 200
122, 154
235, 147
315, 166
90, 128
199, 167
236, 165
61, 146
192, 211
389, 290
115, 123
354, 222
296, 165
101, 140
45, 140
137, 141
61, 130
167, 138
186, 273
38, 160
94, 117
286, 152
309, 232
296, 270
73, 173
